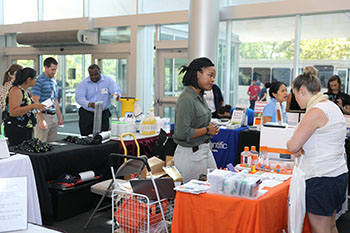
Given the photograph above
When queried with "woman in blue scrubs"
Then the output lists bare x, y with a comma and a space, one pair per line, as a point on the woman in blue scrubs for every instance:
278, 94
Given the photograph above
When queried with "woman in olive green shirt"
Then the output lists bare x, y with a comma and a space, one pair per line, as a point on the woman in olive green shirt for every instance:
193, 129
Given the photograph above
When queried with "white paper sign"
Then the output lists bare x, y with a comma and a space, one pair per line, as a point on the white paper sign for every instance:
237, 117
13, 204
48, 103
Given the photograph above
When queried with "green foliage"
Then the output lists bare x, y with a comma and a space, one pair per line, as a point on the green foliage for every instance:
316, 49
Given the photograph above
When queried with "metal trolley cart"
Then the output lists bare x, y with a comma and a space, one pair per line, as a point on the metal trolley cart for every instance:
133, 212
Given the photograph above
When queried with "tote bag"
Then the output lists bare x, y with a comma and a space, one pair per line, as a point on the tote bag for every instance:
296, 199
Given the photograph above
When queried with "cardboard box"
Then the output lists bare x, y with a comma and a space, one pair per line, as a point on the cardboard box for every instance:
156, 166
169, 161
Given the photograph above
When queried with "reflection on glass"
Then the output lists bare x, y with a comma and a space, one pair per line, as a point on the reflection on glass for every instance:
173, 32
245, 75
114, 35
324, 73
282, 75
262, 74
59, 9
172, 80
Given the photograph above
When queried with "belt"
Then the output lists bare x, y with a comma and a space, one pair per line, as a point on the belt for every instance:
195, 148
49, 112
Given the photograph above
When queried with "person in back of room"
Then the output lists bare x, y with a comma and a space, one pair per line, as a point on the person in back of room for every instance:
97, 87
320, 138
224, 112
19, 117
292, 104
46, 88
253, 92
262, 92
193, 129
336, 95
214, 100
278, 94
9, 78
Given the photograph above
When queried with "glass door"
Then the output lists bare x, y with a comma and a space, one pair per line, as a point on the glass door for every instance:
115, 67
25, 61
168, 81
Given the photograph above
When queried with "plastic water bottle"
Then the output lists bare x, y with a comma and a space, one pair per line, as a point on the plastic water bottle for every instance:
265, 158
245, 156
253, 155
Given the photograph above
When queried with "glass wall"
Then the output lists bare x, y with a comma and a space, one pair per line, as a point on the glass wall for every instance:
71, 70
173, 32
325, 44
172, 79
154, 6
19, 11
104, 8
114, 35
63, 9
264, 46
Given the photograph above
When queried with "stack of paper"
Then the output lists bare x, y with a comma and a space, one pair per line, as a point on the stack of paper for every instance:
194, 187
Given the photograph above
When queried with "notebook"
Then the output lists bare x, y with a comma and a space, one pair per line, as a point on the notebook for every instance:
165, 188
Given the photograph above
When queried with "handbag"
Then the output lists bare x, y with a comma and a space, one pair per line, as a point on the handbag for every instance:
296, 199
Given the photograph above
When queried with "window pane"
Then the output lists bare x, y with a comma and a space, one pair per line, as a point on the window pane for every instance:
169, 112
282, 75
173, 81
116, 69
114, 35
245, 75
325, 44
342, 75
59, 9
26, 63
324, 72
244, 2
153, 6
173, 32
28, 11
264, 44
104, 8
262, 74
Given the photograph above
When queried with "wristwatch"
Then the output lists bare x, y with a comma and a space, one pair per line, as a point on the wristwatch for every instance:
208, 132
89, 105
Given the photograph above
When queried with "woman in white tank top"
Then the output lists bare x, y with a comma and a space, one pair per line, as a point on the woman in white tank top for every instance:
320, 137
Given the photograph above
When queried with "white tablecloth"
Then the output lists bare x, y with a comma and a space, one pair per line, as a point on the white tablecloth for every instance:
20, 166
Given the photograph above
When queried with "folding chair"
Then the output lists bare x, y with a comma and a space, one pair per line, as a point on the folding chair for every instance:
105, 188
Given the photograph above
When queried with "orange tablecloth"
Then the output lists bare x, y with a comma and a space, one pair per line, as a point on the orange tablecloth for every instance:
217, 213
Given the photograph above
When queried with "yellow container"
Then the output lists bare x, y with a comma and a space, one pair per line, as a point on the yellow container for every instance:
149, 124
128, 106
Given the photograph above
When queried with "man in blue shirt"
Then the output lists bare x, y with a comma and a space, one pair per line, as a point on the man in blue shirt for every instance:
92, 89
46, 88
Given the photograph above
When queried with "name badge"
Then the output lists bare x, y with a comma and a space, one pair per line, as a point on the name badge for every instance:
104, 91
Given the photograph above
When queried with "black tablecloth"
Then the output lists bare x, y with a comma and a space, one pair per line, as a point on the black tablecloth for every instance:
71, 159
247, 138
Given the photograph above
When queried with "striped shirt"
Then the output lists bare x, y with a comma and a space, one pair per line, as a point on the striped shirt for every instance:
45, 88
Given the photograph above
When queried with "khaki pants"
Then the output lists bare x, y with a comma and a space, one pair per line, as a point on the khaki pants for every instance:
191, 164
49, 134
